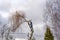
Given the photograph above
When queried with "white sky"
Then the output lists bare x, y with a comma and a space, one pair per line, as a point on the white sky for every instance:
33, 8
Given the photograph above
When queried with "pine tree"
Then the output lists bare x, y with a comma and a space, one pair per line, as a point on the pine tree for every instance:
48, 34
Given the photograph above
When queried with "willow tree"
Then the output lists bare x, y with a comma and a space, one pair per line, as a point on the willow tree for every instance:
48, 35
15, 20
19, 18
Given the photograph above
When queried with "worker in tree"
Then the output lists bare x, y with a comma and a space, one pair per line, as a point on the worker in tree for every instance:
31, 28
30, 25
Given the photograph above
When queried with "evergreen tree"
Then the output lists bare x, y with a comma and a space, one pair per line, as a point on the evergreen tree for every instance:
48, 34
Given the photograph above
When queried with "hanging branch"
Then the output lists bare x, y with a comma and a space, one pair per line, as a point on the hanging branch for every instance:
16, 20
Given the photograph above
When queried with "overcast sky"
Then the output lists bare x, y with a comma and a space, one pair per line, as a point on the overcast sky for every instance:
34, 10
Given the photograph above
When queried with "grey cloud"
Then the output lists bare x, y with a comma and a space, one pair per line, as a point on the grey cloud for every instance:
4, 5
36, 11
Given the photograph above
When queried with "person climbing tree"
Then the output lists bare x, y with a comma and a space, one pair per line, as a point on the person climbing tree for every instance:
31, 28
30, 24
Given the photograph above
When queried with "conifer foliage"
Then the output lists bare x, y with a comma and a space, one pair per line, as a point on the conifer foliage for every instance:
48, 34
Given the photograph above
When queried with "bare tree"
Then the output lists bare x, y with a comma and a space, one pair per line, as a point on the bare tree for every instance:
53, 11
